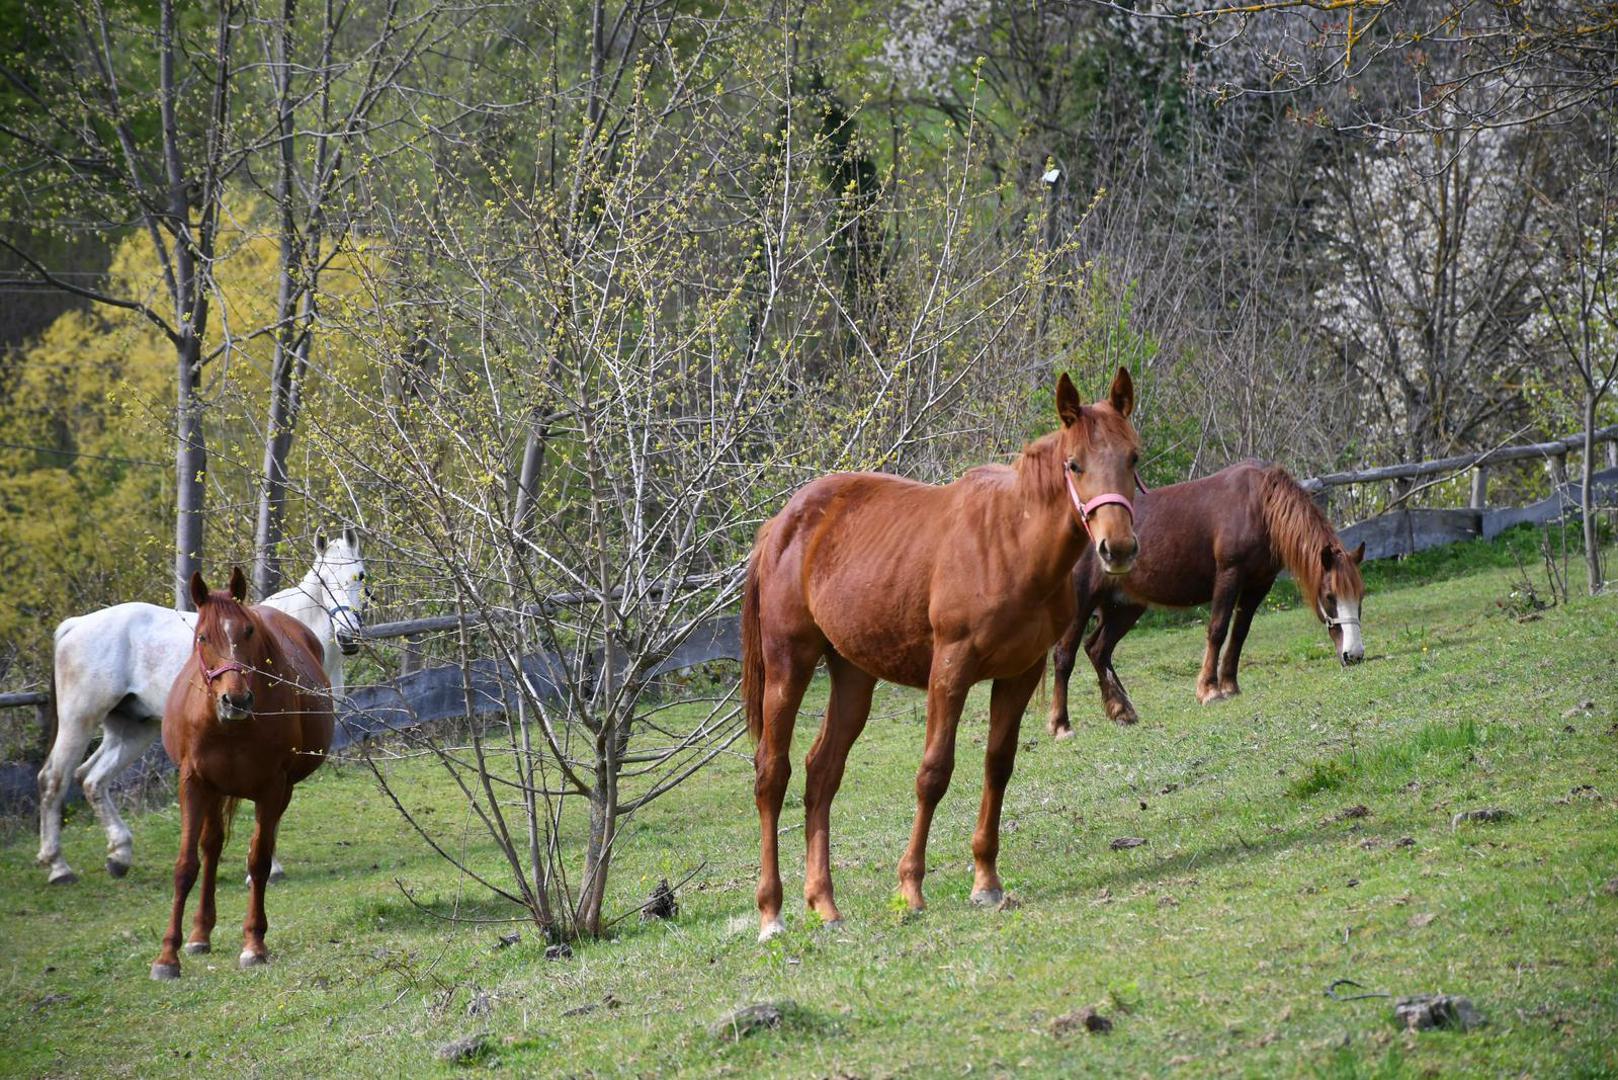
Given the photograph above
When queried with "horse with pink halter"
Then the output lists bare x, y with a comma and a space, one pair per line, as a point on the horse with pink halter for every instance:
113, 671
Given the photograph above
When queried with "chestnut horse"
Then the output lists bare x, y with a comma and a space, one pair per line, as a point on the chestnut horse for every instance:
249, 716
1222, 539
935, 587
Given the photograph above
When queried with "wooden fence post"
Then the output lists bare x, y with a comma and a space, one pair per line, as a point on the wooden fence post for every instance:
1480, 487
410, 655
1558, 467
47, 728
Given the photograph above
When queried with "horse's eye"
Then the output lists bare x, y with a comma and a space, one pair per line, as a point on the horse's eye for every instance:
203, 638
249, 632
1134, 460
360, 576
1075, 468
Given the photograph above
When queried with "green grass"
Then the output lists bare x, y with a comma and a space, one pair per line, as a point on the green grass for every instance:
1209, 946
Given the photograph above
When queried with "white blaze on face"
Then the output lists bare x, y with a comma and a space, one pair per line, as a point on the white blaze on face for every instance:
1348, 611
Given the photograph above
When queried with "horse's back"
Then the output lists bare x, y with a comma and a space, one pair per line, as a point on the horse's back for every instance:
850, 557
127, 650
1188, 532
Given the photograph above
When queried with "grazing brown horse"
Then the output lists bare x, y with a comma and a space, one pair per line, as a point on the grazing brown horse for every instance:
249, 716
935, 587
1222, 539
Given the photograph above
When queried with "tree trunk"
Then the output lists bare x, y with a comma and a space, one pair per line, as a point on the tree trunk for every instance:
190, 471
1592, 545
283, 374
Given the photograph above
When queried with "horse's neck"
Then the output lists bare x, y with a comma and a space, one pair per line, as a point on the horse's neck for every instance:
1039, 497
302, 602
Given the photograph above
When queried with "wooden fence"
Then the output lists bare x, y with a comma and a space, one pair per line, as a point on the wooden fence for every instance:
420, 695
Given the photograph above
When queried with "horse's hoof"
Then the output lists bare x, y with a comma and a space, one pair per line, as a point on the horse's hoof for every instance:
1127, 719
165, 972
1208, 697
770, 929
64, 877
1065, 733
116, 868
197, 948
277, 875
988, 897
834, 925
251, 959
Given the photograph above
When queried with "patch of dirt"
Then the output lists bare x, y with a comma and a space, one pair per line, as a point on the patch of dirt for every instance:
1424, 1011
1351, 813
1124, 843
738, 1024
1485, 815
464, 1051
1421, 919
560, 951
661, 904
1085, 1019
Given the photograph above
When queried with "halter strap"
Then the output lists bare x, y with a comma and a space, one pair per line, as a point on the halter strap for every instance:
336, 608
1110, 498
210, 674
1337, 620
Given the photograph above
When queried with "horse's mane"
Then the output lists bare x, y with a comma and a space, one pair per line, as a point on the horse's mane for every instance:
1041, 463
1299, 530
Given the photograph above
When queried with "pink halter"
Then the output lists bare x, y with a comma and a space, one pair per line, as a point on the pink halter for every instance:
210, 674
1110, 498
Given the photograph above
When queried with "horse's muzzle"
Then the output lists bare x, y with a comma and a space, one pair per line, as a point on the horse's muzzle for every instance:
1117, 560
348, 648
1350, 659
232, 708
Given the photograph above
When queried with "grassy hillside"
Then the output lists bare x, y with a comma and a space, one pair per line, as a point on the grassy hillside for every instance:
1209, 946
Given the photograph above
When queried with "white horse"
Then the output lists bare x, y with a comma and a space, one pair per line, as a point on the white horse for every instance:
114, 669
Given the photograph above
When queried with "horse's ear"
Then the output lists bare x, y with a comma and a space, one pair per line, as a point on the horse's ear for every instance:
1327, 559
1122, 394
1068, 406
1358, 554
320, 544
238, 585
352, 536
199, 590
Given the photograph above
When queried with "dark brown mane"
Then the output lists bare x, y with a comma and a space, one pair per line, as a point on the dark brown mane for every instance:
1299, 530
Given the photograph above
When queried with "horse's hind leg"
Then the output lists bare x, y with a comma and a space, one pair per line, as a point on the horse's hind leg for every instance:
788, 669
74, 728
1007, 702
126, 740
259, 857
195, 799
212, 843
847, 708
1116, 621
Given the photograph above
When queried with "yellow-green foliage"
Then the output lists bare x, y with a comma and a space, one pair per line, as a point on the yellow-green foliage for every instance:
87, 451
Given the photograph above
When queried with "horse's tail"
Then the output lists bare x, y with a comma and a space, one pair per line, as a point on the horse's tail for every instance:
753, 644
229, 812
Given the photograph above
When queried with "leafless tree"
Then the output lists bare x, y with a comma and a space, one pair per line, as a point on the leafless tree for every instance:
1574, 284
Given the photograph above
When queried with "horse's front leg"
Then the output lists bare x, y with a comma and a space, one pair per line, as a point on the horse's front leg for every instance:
1224, 599
1007, 702
213, 842
1066, 651
194, 798
1116, 621
950, 679
259, 856
1246, 608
